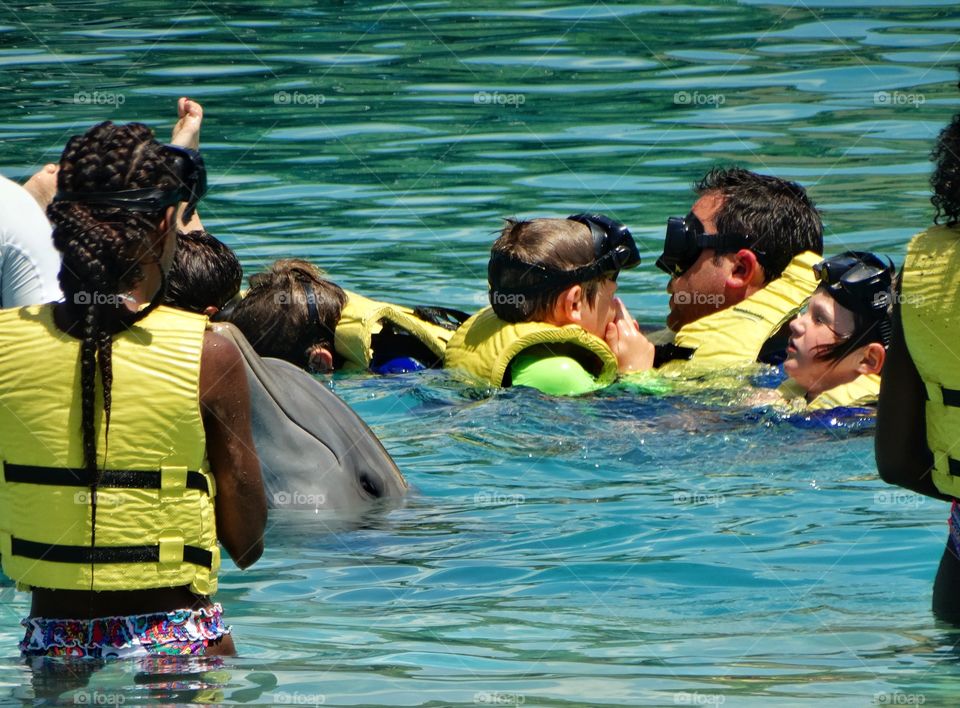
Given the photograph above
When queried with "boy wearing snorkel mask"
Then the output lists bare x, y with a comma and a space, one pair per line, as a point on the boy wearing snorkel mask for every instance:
838, 342
553, 323
740, 266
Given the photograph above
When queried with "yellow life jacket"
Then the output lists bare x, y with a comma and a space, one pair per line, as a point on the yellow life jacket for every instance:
155, 524
735, 336
362, 318
485, 345
862, 392
930, 310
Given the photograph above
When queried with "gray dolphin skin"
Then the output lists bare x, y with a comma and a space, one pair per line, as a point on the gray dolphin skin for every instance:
315, 452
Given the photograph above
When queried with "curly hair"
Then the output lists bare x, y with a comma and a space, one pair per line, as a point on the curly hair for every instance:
102, 249
945, 180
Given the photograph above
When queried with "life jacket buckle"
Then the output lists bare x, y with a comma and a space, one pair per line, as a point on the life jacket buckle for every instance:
173, 481
171, 547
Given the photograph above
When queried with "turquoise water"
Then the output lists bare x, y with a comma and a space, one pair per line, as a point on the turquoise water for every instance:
616, 550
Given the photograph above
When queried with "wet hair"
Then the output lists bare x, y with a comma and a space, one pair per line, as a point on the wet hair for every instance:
778, 214
556, 243
101, 251
945, 180
275, 317
205, 273
866, 330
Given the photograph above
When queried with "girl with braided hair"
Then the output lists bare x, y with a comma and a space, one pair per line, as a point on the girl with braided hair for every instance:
112, 505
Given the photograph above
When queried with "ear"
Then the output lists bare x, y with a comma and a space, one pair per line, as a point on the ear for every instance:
168, 220
320, 359
746, 272
568, 308
211, 310
871, 361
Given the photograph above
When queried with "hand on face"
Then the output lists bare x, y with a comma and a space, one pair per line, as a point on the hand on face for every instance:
634, 352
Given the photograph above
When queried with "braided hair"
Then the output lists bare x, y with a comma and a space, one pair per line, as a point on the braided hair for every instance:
102, 248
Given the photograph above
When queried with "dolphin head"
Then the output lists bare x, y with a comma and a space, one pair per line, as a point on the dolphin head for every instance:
315, 451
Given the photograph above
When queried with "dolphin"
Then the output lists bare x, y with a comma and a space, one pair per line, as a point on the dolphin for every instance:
315, 452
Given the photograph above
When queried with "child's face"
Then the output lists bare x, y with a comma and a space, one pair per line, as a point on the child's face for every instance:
596, 316
823, 322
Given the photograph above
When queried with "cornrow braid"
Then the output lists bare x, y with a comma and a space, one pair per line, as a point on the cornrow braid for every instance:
102, 249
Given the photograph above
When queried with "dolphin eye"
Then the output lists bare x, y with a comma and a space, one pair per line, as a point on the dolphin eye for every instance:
370, 485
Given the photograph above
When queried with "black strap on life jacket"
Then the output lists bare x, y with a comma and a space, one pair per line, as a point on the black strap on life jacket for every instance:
662, 353
79, 477
57, 553
951, 397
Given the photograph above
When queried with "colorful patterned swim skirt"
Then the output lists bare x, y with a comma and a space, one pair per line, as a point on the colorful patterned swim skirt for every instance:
180, 632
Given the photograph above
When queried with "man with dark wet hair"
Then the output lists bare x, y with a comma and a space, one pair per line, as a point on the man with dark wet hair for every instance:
740, 266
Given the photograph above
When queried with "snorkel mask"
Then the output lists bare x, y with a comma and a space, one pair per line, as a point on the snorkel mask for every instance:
685, 240
613, 250
862, 283
190, 171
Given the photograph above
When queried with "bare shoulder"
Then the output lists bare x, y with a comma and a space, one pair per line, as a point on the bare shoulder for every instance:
221, 368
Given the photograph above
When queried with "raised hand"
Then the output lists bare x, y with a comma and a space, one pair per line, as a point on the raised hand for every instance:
634, 352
